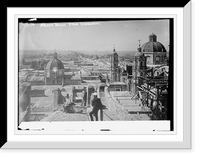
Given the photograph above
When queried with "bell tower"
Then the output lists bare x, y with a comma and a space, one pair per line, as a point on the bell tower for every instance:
114, 66
138, 70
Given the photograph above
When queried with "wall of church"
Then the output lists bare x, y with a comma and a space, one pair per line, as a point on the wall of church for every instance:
150, 58
159, 57
155, 57
51, 73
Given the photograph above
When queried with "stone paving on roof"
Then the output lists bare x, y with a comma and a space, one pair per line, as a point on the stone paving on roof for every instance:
62, 116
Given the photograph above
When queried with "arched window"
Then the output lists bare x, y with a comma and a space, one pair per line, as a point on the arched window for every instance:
148, 59
141, 62
157, 58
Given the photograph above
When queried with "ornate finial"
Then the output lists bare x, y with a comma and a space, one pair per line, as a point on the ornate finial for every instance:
139, 49
55, 54
139, 42
114, 48
54, 51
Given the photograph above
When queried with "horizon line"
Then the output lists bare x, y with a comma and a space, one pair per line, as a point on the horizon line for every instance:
57, 50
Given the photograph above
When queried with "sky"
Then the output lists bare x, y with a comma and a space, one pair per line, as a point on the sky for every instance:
92, 36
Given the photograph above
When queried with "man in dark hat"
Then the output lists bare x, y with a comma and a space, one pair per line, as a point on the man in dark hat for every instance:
97, 105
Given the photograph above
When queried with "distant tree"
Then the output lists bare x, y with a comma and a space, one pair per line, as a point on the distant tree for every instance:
38, 64
33, 64
42, 65
23, 61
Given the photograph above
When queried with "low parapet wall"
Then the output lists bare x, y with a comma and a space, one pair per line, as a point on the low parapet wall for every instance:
116, 108
24, 102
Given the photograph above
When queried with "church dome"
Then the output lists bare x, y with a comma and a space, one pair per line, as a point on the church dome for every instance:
54, 63
153, 45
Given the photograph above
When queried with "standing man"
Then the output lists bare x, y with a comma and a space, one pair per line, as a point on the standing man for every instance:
97, 105
84, 97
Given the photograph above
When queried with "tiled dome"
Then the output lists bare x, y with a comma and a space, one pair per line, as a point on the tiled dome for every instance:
54, 63
153, 45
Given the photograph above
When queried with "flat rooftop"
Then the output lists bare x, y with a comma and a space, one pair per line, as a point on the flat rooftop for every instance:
117, 83
120, 93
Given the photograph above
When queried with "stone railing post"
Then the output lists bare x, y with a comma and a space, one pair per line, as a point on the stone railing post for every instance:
56, 100
107, 97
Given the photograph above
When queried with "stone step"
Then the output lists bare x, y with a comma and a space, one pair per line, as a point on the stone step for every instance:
109, 115
128, 102
136, 108
124, 98
141, 116
140, 112
131, 105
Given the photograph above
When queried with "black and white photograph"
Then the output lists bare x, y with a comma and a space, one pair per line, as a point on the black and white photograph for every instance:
95, 69
99, 78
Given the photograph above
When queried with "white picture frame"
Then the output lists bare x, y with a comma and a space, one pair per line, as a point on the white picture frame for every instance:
180, 139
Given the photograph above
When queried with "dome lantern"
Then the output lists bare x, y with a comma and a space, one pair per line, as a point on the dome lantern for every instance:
153, 45
139, 48
114, 48
55, 55
152, 38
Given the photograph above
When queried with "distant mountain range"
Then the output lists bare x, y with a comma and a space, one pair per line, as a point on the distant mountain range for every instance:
44, 53
62, 52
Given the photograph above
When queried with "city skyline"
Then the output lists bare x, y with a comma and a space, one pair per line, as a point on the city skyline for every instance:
92, 36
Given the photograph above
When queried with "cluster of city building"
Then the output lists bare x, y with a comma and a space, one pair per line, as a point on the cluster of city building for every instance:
145, 74
150, 60
57, 72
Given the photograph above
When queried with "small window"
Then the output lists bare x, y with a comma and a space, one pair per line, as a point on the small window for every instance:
157, 59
